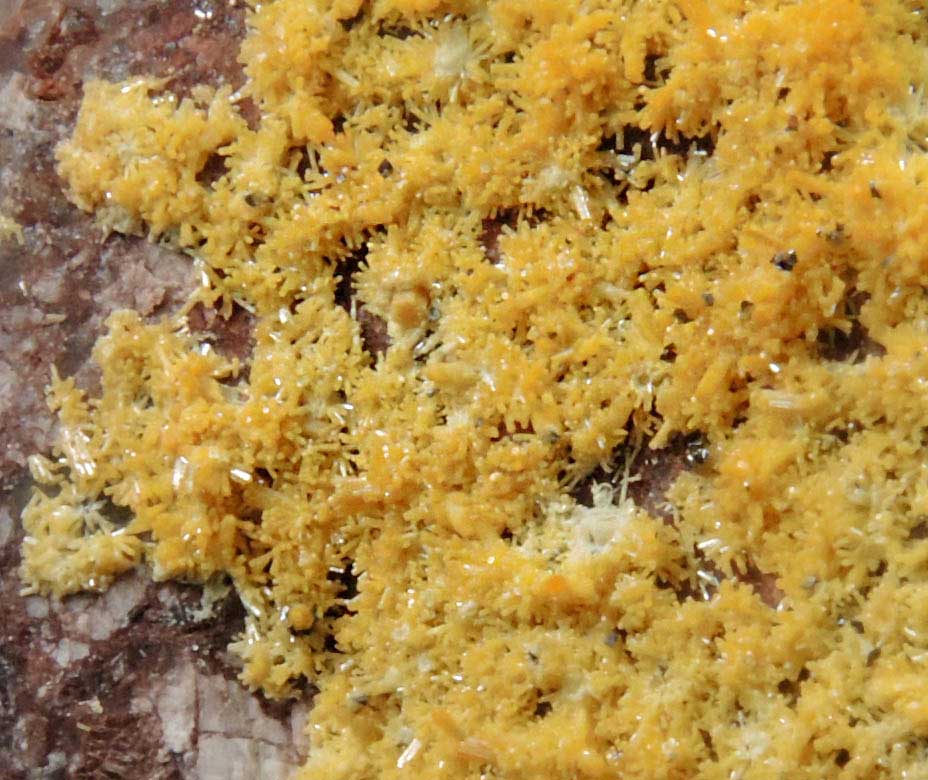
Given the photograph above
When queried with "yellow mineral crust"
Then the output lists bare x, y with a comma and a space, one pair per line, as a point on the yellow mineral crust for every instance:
705, 199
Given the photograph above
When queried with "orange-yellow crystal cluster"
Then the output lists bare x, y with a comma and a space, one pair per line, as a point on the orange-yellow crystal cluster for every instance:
707, 199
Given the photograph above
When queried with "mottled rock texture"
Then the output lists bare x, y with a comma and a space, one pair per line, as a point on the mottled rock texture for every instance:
136, 683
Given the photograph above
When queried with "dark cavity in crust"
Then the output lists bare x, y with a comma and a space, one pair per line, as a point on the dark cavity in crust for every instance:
854, 344
231, 337
651, 473
374, 336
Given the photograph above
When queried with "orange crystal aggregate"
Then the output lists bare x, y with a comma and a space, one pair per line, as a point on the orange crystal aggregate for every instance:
705, 200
